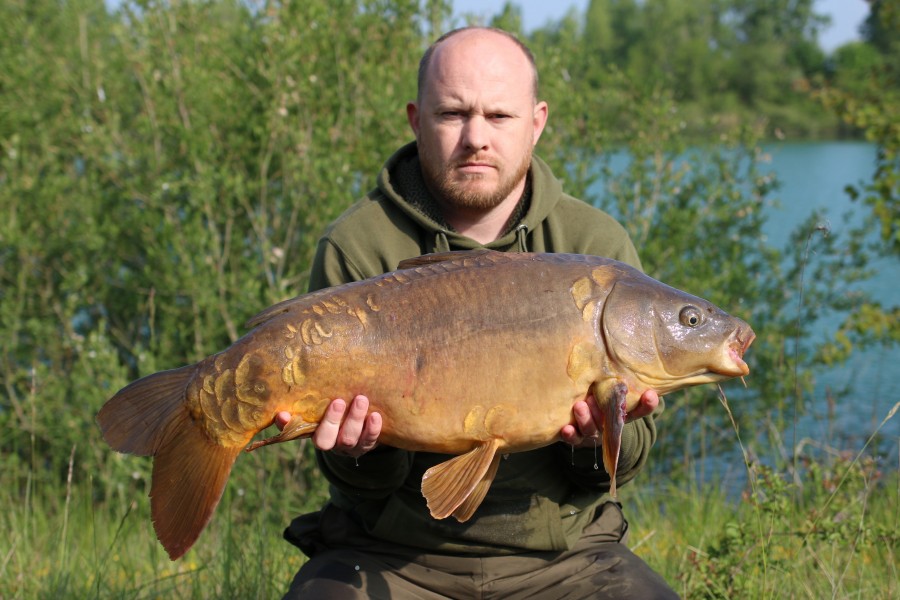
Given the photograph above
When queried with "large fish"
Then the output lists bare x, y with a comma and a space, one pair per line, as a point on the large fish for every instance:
476, 354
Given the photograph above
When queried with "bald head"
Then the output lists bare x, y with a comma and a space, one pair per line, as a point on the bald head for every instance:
483, 42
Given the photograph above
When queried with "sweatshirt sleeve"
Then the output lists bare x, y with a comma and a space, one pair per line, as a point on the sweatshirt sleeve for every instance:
330, 267
381, 471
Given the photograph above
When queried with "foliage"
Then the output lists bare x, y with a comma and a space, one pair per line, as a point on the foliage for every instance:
831, 533
178, 184
166, 170
736, 58
870, 101
60, 542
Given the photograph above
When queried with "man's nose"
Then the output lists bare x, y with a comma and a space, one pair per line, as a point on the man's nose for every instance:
475, 133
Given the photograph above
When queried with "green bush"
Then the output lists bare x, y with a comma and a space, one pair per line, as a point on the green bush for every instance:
166, 170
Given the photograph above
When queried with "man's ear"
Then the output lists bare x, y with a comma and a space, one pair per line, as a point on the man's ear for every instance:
541, 112
412, 115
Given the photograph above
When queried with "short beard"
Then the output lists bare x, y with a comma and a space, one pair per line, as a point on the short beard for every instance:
458, 195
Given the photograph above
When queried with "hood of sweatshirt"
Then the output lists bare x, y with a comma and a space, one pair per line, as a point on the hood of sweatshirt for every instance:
400, 180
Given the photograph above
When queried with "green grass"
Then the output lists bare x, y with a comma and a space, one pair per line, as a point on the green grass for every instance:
81, 539
833, 533
826, 543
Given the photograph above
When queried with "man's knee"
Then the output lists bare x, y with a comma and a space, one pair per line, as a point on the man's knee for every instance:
328, 577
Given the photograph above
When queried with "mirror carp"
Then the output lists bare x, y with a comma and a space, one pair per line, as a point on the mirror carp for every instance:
475, 354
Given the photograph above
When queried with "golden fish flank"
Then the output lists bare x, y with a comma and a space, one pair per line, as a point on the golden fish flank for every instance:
311, 332
584, 363
484, 424
228, 401
323, 321
292, 372
582, 292
371, 303
439, 357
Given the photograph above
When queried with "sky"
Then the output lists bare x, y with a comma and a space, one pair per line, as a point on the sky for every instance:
846, 15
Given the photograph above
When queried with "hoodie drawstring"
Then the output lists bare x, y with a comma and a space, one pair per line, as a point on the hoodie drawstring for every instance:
441, 243
521, 233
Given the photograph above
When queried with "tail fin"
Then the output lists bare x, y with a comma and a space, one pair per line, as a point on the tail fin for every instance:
138, 417
149, 418
189, 476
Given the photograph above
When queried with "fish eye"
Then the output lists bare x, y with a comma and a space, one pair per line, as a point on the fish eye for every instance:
690, 316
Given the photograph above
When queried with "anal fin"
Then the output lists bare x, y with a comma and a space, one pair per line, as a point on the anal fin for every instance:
295, 429
458, 486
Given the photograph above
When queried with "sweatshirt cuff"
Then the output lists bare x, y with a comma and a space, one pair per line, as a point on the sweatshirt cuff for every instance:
584, 466
373, 475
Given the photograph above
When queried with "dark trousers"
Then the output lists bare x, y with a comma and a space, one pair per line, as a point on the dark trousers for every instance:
345, 563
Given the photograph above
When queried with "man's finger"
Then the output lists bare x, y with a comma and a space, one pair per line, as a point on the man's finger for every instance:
352, 427
648, 403
282, 418
585, 420
371, 431
569, 434
326, 433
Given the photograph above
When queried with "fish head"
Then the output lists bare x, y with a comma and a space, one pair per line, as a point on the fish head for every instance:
669, 339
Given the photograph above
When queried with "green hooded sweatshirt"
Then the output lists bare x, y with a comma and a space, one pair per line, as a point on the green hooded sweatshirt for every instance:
540, 500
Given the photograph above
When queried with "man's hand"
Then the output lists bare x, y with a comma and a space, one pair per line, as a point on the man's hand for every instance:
587, 428
346, 432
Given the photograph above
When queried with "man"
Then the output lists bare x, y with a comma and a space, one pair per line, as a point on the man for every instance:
547, 527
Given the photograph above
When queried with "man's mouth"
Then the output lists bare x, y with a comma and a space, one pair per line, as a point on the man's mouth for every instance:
475, 167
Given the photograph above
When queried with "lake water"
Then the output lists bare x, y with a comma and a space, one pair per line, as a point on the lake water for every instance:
813, 177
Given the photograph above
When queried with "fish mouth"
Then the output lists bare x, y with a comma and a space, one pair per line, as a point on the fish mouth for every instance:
738, 345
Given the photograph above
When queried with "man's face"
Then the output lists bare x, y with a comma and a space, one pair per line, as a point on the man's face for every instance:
476, 122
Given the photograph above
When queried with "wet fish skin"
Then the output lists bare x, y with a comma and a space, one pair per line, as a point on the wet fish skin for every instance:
476, 354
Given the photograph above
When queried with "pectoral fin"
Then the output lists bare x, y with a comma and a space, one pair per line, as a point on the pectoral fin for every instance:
611, 399
295, 429
458, 486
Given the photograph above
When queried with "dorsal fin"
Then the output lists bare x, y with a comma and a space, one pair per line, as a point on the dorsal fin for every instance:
438, 257
302, 301
306, 300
